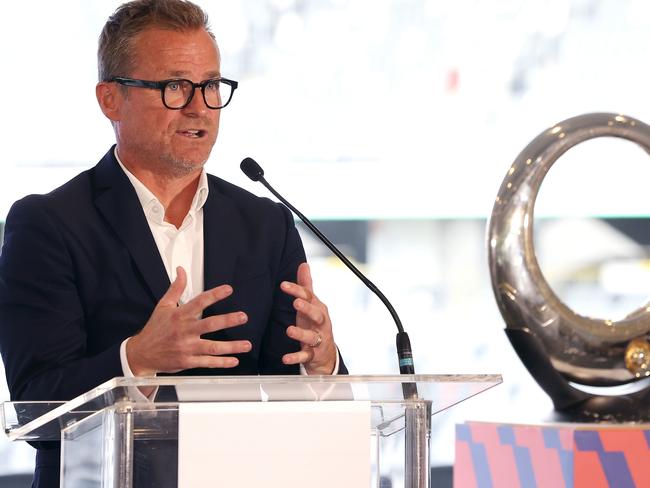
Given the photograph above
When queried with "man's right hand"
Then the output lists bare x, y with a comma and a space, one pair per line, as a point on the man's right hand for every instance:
171, 339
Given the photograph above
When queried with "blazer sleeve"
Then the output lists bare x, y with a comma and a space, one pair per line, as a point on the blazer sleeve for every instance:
42, 321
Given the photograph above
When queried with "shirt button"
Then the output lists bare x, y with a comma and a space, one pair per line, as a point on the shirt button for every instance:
155, 209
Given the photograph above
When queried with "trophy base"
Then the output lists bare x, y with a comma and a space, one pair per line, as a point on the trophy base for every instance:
571, 404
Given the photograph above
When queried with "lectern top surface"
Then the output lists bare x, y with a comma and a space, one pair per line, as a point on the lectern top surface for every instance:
45, 420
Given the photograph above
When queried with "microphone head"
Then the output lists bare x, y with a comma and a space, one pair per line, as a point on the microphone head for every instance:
251, 169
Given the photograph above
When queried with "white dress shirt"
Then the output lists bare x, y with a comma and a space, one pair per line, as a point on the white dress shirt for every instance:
177, 247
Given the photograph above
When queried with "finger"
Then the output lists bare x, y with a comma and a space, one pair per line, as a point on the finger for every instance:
175, 290
219, 348
208, 361
203, 300
305, 336
296, 291
304, 277
315, 313
300, 357
220, 322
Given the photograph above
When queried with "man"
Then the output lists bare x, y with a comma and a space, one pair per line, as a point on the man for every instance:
144, 264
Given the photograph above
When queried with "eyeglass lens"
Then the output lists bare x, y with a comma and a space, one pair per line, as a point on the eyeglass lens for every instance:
178, 92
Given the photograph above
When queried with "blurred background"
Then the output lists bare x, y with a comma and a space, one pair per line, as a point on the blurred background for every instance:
391, 123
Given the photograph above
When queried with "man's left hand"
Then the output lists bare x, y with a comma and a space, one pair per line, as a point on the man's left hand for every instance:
313, 327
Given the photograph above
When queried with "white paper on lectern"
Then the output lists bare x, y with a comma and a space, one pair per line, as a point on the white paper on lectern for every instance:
274, 444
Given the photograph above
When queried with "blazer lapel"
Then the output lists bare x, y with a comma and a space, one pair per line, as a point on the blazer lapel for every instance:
221, 238
117, 201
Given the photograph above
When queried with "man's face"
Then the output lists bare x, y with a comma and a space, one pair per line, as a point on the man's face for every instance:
152, 136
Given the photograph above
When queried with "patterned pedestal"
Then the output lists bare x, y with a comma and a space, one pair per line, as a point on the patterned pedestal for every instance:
554, 455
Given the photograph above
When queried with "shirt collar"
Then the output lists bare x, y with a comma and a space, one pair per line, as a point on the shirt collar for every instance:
149, 201
202, 191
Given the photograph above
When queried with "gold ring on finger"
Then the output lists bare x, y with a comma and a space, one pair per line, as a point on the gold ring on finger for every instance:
317, 342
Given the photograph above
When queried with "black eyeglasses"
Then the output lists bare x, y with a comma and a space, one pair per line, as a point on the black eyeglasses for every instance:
177, 93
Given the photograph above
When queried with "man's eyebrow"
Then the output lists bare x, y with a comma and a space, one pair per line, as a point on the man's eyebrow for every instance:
185, 74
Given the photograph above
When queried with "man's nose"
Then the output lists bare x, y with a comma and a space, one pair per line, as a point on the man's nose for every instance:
197, 105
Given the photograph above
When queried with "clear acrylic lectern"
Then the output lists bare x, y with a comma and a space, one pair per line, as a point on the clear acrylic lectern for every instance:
113, 437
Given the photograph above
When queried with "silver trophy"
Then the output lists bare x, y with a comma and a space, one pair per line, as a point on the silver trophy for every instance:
581, 362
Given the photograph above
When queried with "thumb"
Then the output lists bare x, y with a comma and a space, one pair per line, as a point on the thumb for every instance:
304, 276
175, 290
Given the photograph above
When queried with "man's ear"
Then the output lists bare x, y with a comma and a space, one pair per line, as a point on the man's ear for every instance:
110, 97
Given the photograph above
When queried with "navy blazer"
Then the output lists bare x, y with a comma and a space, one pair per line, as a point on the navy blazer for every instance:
80, 272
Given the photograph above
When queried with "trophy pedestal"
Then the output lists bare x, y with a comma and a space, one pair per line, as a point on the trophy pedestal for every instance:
559, 455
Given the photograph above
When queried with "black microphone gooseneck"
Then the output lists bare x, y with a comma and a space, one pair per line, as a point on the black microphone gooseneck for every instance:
255, 172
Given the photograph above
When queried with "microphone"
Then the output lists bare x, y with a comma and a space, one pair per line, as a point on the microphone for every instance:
255, 172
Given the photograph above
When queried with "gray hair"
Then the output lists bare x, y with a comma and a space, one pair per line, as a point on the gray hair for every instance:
115, 55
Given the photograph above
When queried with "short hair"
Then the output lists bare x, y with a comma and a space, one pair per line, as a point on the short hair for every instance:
115, 55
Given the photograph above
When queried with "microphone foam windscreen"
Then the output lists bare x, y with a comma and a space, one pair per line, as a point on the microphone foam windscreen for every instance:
251, 169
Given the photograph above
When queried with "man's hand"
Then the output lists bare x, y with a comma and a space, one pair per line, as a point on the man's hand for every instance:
313, 327
170, 340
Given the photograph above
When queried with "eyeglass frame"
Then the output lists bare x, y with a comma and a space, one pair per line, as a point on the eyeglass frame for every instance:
161, 85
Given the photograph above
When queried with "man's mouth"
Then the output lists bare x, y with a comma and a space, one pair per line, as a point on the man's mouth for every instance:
193, 133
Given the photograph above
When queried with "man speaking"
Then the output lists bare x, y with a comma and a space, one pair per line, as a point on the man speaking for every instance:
145, 264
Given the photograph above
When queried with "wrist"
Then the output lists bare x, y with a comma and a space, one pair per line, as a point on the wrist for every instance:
134, 359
